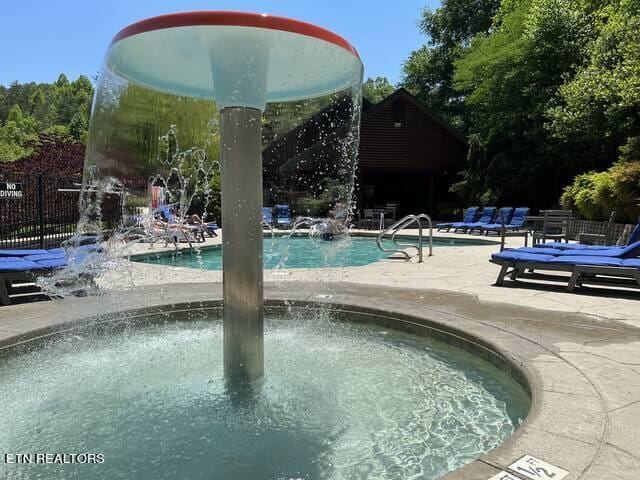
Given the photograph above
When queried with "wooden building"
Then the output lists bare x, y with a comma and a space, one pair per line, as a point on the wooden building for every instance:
408, 156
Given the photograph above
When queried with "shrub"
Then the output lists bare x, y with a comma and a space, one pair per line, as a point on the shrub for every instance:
626, 189
594, 195
590, 195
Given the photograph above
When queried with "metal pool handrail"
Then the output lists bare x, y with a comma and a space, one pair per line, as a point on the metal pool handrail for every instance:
401, 224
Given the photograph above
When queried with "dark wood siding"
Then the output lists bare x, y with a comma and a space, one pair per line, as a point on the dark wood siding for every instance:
420, 144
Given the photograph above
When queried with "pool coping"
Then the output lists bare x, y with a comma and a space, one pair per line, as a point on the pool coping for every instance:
568, 424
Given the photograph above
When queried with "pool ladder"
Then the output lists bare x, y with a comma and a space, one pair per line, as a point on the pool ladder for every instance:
400, 225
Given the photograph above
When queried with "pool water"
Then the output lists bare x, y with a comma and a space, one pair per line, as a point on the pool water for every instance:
299, 252
340, 399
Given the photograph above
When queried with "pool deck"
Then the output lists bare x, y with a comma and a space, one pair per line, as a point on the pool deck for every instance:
464, 269
579, 352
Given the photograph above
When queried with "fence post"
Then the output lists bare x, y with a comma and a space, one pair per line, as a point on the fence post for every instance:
41, 208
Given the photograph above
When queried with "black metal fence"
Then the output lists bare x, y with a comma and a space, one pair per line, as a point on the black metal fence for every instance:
43, 215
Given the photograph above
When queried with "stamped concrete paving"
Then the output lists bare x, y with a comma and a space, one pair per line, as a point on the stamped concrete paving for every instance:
584, 370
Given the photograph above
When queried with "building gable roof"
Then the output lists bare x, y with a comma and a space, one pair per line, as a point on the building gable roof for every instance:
403, 93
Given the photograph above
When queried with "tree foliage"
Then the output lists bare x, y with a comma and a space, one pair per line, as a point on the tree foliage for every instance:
376, 90
599, 108
545, 89
428, 72
60, 108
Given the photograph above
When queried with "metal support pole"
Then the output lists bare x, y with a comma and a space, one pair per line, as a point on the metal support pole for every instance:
40, 187
241, 161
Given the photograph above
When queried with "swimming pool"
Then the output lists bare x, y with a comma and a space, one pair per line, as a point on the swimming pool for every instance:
299, 252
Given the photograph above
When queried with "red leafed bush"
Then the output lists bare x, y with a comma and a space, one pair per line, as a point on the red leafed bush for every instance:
51, 155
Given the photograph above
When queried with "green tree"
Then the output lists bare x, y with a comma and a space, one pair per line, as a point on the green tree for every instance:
61, 109
509, 79
598, 110
377, 90
428, 72
15, 133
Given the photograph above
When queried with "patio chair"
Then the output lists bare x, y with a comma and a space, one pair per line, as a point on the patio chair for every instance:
555, 226
615, 271
367, 218
391, 211
514, 224
601, 237
469, 216
283, 215
487, 217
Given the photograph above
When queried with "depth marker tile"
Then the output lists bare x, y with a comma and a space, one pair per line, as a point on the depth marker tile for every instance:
536, 469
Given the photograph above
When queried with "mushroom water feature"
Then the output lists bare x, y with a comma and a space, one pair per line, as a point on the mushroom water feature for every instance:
241, 62
167, 379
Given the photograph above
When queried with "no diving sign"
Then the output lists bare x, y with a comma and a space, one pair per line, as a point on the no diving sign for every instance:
10, 190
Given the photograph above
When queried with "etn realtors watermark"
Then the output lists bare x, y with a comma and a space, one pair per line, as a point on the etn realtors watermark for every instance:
53, 458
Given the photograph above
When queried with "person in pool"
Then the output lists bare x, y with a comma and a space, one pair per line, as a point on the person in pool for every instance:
336, 223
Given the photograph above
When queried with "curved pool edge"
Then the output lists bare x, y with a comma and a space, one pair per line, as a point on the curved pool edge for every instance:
565, 426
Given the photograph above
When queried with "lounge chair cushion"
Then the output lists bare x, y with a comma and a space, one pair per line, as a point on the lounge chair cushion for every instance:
17, 264
516, 255
469, 215
498, 226
492, 226
52, 263
572, 246
44, 256
21, 253
488, 214
519, 214
504, 212
629, 251
587, 260
631, 262
541, 251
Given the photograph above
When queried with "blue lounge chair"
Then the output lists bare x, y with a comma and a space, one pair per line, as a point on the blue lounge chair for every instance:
267, 215
487, 217
634, 237
283, 215
504, 214
628, 251
593, 268
22, 266
24, 269
515, 223
469, 216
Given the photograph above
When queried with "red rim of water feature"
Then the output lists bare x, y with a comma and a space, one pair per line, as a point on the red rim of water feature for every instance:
238, 19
